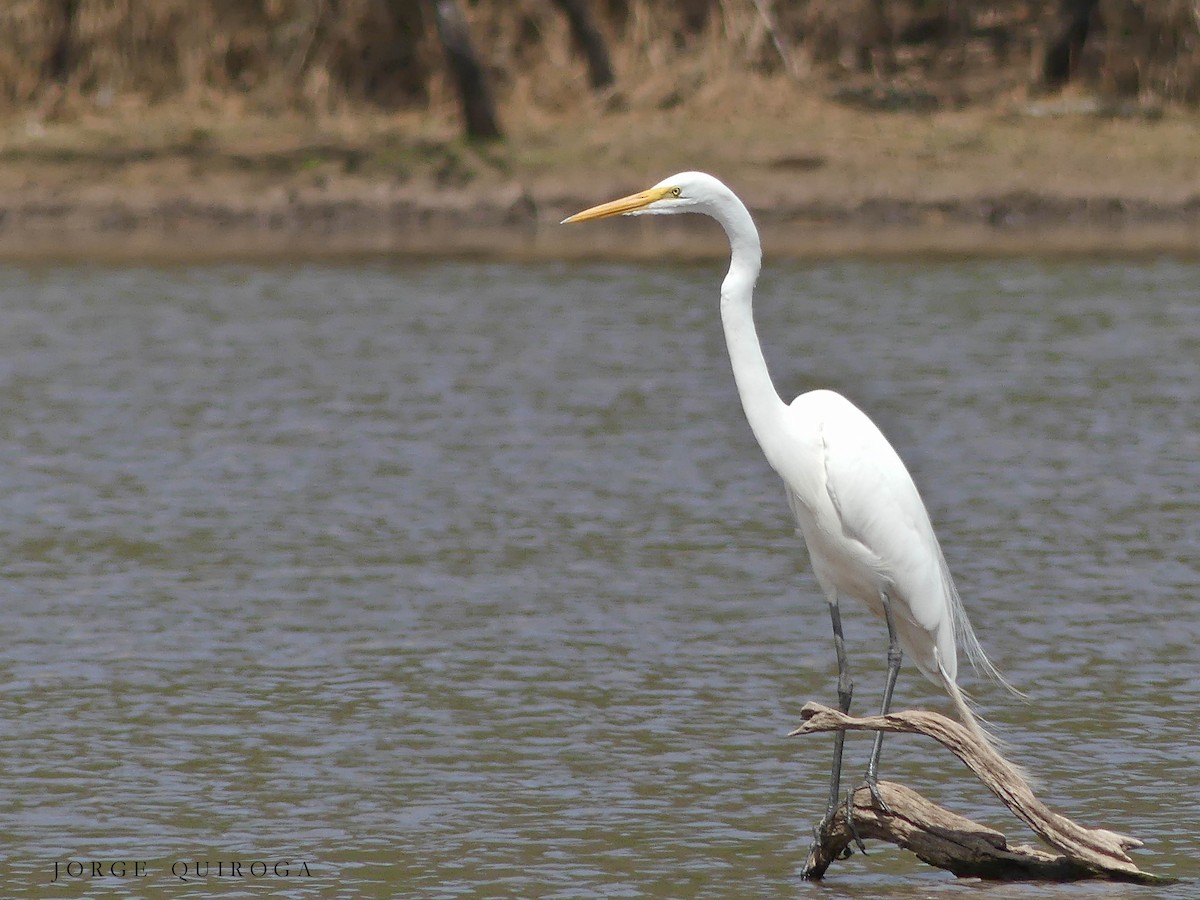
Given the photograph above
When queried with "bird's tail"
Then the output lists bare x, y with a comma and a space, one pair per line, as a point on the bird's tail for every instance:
965, 638
962, 708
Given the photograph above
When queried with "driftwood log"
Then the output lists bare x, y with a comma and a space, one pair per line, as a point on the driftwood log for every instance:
949, 841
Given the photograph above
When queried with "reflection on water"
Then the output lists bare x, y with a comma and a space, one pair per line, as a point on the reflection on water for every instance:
441, 576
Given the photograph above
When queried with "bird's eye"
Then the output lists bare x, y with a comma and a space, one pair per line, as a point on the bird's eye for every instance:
675, 192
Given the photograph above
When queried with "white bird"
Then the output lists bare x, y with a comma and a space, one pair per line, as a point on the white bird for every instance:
866, 528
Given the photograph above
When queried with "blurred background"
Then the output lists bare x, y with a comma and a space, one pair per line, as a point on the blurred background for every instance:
61, 57
374, 121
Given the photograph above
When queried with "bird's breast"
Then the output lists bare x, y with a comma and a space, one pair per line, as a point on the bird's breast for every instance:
841, 563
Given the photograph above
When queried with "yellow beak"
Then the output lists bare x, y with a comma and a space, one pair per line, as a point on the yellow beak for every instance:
619, 207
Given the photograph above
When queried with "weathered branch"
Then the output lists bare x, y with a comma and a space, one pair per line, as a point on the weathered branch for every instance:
947, 840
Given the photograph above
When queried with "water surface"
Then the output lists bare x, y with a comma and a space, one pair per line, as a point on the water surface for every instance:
469, 580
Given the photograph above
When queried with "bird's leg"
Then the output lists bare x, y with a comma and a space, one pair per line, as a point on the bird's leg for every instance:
845, 692
894, 657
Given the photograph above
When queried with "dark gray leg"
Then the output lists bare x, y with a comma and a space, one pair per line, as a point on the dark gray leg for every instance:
845, 692
894, 658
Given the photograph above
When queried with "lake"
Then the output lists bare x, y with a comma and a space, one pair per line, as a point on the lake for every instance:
466, 579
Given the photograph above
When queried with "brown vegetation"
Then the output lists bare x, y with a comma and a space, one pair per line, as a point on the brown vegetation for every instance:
323, 54
310, 118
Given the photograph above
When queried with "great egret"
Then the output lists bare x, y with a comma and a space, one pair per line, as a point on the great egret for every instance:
868, 534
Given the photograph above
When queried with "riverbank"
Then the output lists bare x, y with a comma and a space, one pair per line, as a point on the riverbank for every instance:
823, 179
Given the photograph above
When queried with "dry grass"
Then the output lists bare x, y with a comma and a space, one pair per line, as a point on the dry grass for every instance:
226, 130
318, 56
778, 142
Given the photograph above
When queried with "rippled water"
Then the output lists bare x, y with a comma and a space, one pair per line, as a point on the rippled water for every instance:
469, 580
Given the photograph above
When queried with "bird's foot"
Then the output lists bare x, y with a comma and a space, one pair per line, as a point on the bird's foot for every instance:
849, 815
818, 858
872, 783
819, 854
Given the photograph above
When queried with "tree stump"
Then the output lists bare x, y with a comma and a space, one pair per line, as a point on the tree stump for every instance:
949, 841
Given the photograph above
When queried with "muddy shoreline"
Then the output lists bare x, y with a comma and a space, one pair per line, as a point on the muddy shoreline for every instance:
513, 221
822, 180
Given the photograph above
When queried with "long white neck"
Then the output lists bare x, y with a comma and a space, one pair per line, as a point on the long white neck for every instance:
760, 400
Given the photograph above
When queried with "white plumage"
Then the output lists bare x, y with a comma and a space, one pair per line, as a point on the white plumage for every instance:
868, 534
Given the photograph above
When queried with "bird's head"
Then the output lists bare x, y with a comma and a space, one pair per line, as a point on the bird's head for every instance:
685, 192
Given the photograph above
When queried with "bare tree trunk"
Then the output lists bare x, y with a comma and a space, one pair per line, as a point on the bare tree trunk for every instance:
949, 841
59, 64
1066, 39
778, 41
588, 37
474, 91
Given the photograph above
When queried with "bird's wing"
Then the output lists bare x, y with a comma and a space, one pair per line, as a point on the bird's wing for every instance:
876, 504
